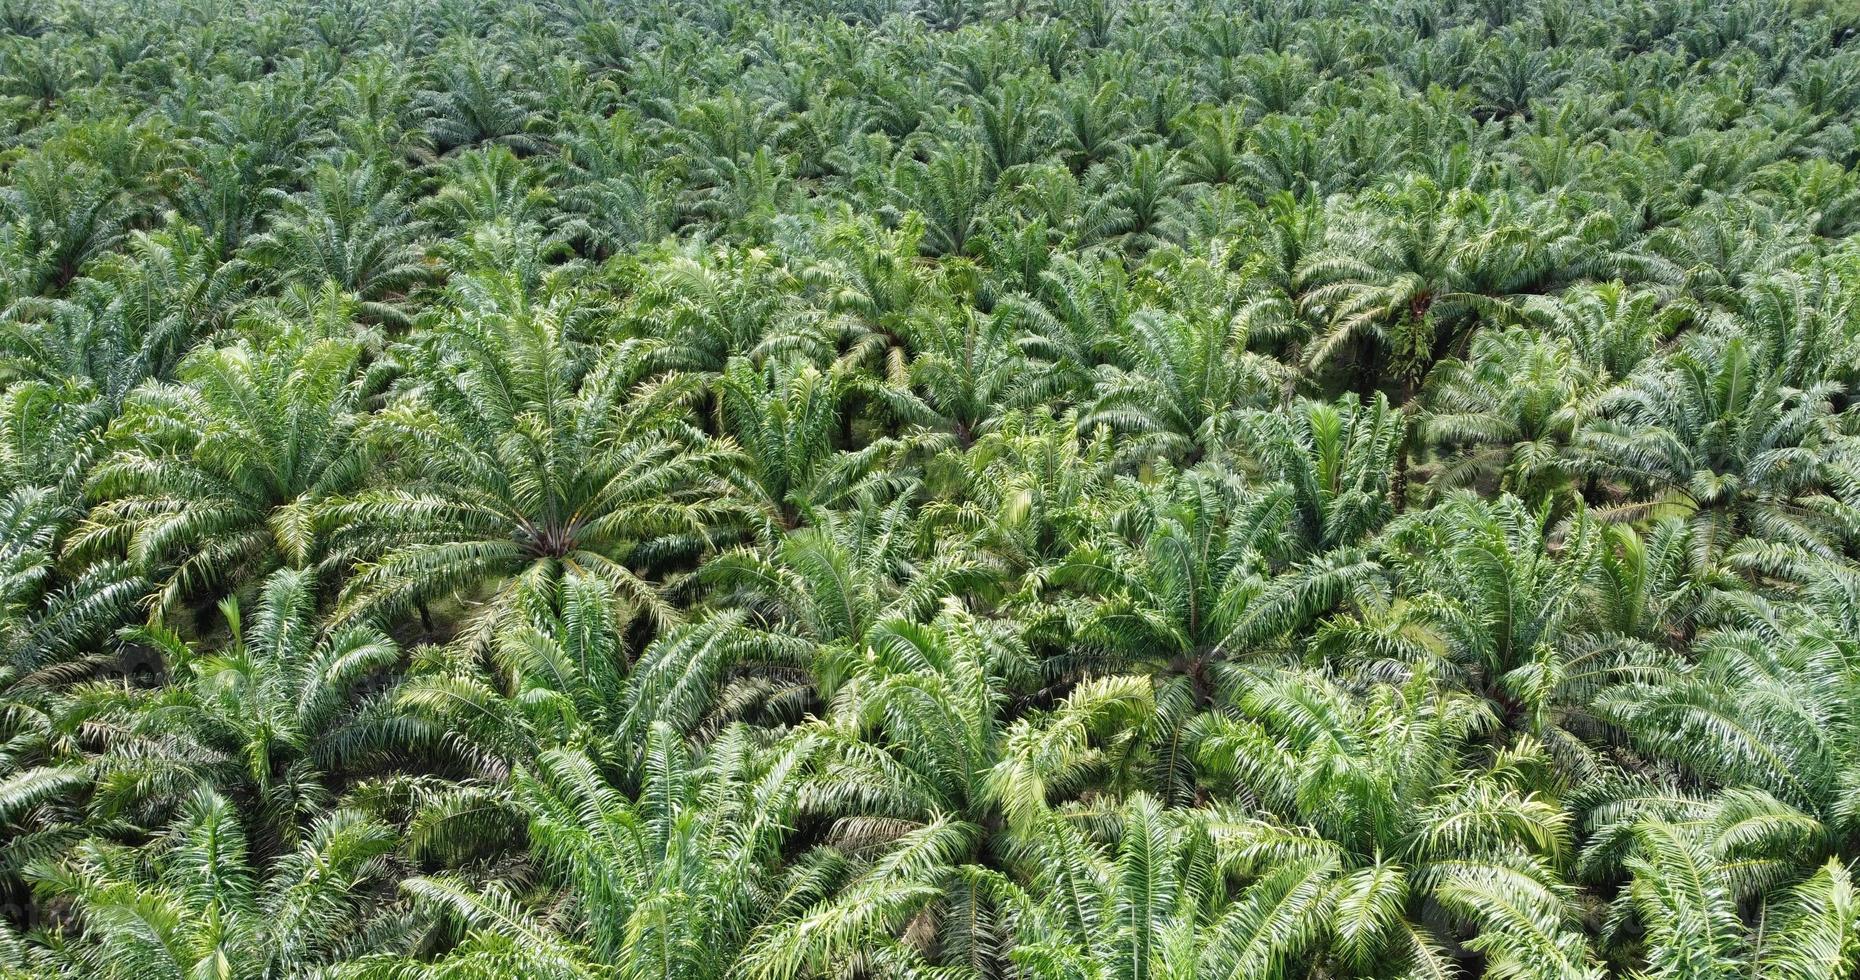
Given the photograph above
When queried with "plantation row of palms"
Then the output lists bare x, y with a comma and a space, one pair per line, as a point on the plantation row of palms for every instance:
1038, 489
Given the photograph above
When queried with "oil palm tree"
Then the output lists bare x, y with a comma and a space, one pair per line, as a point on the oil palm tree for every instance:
786, 610
350, 227
133, 317
693, 309
716, 823
1764, 706
1497, 595
1716, 433
525, 463
1163, 577
1613, 328
1685, 887
555, 677
1334, 467
785, 421
51, 617
921, 764
273, 723
1402, 278
219, 477
199, 901
1505, 416
1144, 905
968, 371
475, 102
58, 215
1189, 379
1372, 841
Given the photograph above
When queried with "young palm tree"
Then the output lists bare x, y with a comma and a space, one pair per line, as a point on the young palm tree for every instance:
968, 371
58, 215
473, 103
1767, 705
1333, 469
132, 318
556, 677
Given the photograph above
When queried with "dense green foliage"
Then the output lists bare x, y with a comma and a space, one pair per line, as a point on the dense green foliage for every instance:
1041, 489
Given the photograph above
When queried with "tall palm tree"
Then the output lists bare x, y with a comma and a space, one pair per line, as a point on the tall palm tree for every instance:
1142, 906
1164, 576
950, 192
694, 309
486, 186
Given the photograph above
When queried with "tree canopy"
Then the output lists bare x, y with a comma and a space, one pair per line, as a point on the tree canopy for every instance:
945, 489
